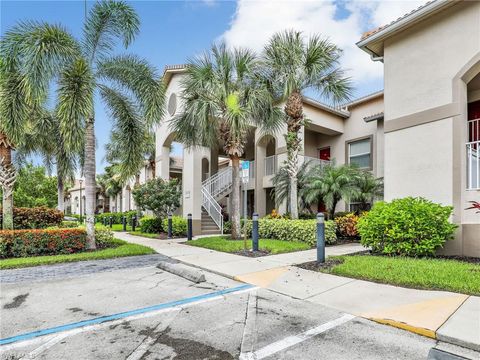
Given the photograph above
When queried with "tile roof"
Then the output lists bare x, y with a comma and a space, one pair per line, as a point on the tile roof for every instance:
374, 117
378, 29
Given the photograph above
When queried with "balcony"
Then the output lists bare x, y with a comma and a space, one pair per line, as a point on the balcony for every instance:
473, 160
315, 161
270, 165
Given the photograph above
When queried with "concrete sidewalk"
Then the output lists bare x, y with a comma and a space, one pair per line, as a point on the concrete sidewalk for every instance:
450, 317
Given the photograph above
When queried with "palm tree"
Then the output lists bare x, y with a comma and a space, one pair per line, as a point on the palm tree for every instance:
222, 102
330, 184
293, 65
281, 184
130, 88
369, 189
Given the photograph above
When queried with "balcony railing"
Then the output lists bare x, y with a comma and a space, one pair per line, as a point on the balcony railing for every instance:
473, 152
315, 161
270, 165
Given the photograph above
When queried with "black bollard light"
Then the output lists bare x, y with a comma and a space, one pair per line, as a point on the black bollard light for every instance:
124, 223
111, 222
320, 238
134, 222
255, 232
189, 230
170, 235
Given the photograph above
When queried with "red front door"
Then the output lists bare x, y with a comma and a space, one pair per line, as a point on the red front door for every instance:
324, 154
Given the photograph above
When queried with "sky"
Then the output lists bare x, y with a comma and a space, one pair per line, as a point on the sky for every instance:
174, 31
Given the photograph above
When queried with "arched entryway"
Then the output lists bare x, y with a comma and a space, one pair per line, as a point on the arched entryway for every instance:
266, 166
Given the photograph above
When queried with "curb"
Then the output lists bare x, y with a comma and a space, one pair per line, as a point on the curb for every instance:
404, 326
183, 271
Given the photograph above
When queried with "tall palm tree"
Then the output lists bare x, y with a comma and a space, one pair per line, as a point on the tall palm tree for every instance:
281, 184
369, 189
222, 102
130, 88
330, 184
293, 65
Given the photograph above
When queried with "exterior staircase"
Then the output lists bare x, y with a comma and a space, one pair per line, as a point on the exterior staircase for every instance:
215, 188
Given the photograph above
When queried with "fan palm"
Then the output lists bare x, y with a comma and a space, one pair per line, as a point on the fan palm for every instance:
130, 88
293, 65
369, 189
222, 103
330, 184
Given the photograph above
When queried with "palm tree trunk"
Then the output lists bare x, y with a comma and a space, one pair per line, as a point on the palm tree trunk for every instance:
235, 215
7, 180
60, 194
90, 182
294, 111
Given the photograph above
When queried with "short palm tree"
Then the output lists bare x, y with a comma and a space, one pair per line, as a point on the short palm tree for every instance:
369, 189
130, 88
281, 184
293, 65
222, 102
330, 184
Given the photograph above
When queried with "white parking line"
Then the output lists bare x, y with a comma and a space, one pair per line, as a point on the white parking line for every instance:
294, 340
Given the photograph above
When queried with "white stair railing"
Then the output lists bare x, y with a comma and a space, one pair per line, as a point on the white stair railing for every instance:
215, 185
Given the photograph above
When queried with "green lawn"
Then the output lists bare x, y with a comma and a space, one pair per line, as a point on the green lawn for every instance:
122, 249
222, 243
139, 233
435, 274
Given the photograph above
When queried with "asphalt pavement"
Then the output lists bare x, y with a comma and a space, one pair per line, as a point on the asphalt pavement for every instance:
146, 313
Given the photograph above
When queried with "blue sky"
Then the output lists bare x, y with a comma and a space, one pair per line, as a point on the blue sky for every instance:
173, 31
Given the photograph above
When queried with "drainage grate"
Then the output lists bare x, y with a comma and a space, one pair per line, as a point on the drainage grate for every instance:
436, 354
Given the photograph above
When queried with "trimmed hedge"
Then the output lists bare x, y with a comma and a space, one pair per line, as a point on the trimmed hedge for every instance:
35, 218
150, 225
408, 227
293, 230
22, 243
116, 217
179, 226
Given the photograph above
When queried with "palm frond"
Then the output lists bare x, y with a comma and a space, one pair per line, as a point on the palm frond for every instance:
142, 79
128, 128
106, 22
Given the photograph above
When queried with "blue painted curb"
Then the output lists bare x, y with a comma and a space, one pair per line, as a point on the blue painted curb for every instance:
121, 315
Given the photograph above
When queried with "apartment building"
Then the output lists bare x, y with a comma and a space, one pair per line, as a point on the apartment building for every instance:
350, 134
431, 60
422, 133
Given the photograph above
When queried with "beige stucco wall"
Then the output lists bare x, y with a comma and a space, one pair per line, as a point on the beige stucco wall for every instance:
425, 89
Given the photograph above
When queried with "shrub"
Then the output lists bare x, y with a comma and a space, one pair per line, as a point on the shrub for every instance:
347, 225
179, 226
227, 227
151, 225
307, 216
116, 217
160, 196
103, 237
293, 230
21, 243
35, 218
69, 224
408, 226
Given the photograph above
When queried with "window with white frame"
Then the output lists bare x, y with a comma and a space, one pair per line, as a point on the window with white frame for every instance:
360, 153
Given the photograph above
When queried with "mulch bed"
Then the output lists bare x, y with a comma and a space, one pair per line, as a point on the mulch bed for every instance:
466, 259
314, 266
251, 253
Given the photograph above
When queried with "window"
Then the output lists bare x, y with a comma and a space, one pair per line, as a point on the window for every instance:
360, 153
357, 207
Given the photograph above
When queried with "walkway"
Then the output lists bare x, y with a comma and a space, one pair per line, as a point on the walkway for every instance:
447, 316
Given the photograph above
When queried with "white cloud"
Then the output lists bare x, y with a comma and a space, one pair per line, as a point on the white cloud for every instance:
255, 21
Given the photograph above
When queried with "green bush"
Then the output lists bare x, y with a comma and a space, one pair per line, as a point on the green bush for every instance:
347, 225
104, 237
150, 225
116, 217
293, 230
69, 224
408, 226
179, 226
22, 243
35, 218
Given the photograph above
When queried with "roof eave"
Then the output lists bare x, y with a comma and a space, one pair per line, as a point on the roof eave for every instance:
342, 113
402, 24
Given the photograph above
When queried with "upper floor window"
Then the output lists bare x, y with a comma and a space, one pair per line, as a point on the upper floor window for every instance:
360, 153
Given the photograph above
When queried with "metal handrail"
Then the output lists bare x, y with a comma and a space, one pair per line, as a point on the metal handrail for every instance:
316, 161
473, 165
213, 208
219, 182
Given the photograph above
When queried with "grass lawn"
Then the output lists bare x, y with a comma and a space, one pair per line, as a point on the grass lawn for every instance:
122, 249
139, 233
222, 243
434, 274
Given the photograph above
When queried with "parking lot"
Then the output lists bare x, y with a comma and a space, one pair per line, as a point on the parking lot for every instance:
142, 312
